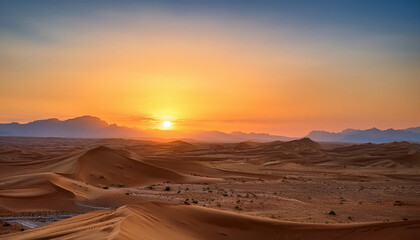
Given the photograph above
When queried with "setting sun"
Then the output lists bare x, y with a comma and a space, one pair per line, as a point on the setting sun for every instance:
180, 117
166, 124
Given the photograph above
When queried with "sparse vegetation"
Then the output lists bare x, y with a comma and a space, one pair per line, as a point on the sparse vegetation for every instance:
283, 201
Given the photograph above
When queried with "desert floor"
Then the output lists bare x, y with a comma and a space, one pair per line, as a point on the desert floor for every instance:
122, 189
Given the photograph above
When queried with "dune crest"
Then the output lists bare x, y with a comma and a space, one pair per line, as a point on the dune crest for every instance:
299, 181
103, 166
170, 221
44, 191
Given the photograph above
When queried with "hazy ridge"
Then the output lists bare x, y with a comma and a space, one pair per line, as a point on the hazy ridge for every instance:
94, 127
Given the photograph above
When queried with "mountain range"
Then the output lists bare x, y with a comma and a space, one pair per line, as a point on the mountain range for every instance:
94, 127
373, 135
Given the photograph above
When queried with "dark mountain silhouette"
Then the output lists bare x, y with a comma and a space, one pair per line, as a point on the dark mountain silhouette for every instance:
413, 129
94, 127
216, 136
80, 127
373, 135
265, 137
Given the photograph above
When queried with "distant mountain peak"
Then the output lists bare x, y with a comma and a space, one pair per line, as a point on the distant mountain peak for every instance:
374, 135
348, 130
87, 120
89, 126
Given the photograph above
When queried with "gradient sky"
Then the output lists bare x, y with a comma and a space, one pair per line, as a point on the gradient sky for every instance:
282, 67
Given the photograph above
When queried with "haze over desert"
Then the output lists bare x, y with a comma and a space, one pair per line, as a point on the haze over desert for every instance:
210, 120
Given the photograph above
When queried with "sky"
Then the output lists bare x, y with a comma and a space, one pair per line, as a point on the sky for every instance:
280, 67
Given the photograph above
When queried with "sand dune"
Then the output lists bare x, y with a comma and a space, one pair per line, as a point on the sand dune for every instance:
396, 154
168, 221
103, 166
61, 184
36, 192
297, 182
306, 151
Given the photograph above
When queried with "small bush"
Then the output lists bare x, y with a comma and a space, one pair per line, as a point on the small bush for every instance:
168, 188
332, 212
121, 185
350, 218
106, 187
405, 219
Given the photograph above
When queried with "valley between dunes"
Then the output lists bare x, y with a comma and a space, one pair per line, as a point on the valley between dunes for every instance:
130, 189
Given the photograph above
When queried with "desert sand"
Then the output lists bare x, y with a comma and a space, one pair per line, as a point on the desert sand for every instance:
131, 189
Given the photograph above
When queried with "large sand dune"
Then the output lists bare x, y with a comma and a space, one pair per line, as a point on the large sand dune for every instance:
43, 191
180, 222
103, 166
246, 190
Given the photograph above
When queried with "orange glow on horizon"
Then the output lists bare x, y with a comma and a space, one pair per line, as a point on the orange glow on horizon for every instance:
208, 73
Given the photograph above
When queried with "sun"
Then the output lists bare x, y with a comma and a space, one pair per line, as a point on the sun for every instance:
166, 124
